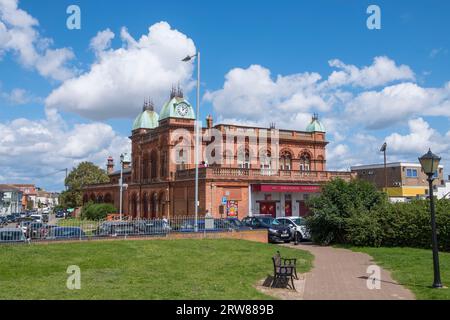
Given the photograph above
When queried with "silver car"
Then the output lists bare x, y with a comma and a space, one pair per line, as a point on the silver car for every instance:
298, 227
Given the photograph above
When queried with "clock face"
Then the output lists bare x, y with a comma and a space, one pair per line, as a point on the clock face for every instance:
182, 109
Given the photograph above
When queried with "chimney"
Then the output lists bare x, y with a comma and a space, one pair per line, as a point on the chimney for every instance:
209, 122
110, 165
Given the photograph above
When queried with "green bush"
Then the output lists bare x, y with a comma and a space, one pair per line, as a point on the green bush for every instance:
356, 213
97, 211
339, 204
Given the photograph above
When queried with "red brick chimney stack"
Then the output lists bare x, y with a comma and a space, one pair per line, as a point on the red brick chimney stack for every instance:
110, 165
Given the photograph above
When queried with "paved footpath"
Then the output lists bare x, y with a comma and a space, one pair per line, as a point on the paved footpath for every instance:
341, 274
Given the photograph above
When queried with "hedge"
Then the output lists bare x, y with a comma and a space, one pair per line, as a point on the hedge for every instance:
357, 213
97, 211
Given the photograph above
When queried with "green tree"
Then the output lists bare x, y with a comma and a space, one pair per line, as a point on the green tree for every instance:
343, 207
84, 174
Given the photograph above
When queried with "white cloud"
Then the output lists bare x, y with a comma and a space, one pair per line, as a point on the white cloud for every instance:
381, 72
253, 96
18, 96
102, 41
18, 34
393, 104
34, 148
420, 137
120, 79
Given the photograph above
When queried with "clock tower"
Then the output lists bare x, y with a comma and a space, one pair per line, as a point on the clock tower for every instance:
177, 107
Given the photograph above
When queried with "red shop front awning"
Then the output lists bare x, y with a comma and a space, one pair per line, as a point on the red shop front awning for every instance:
285, 188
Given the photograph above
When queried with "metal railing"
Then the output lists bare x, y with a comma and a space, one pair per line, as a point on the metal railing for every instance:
78, 229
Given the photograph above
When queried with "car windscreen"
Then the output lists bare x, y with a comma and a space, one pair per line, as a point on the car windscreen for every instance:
299, 221
276, 223
267, 220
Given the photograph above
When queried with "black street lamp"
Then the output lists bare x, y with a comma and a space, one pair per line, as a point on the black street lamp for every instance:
430, 164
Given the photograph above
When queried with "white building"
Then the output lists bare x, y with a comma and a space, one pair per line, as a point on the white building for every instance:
10, 200
443, 191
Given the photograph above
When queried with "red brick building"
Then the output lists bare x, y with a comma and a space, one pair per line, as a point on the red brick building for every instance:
243, 170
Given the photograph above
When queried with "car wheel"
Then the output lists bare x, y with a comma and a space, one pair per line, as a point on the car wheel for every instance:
298, 237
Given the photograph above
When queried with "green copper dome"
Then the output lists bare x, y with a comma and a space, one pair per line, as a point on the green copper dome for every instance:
147, 119
177, 107
315, 125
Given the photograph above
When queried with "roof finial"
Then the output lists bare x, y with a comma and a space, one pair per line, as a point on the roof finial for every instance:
173, 92
315, 116
179, 91
144, 107
150, 105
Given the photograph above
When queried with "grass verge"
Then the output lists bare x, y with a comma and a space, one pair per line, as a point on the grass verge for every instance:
154, 269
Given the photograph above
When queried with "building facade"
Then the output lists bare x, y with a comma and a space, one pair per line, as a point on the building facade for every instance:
29, 195
403, 181
243, 170
10, 199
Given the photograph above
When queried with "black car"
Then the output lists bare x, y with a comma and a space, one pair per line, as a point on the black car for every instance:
61, 233
60, 214
276, 231
116, 228
235, 224
3, 220
152, 227
11, 218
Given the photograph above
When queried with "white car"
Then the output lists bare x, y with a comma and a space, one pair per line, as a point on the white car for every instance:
298, 227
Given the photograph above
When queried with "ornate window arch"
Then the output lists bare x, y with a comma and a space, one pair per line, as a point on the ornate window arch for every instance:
243, 158
305, 161
286, 160
265, 159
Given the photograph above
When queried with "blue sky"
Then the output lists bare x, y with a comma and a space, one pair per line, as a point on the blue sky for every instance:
262, 61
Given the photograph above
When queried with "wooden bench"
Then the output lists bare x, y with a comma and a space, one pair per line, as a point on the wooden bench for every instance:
284, 271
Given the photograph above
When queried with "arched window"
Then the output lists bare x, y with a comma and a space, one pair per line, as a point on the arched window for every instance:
181, 161
286, 161
153, 165
305, 162
265, 161
146, 167
163, 162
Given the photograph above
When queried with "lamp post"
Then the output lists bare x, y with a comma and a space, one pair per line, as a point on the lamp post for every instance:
121, 186
383, 149
430, 163
197, 134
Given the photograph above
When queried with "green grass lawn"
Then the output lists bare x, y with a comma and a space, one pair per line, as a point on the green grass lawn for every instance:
413, 268
154, 269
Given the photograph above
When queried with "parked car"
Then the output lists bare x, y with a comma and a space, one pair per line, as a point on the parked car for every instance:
298, 227
11, 218
276, 231
236, 224
152, 227
3, 220
11, 235
37, 217
116, 228
60, 214
61, 233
